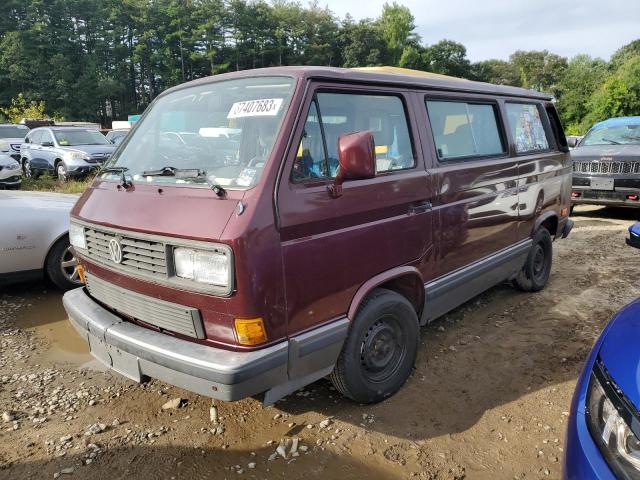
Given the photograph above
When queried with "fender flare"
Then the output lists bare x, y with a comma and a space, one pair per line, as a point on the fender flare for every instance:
380, 279
543, 218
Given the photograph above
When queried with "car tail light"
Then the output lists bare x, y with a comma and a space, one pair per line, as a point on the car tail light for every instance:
632, 197
575, 194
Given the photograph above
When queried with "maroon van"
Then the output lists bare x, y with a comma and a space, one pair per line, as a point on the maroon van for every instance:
260, 230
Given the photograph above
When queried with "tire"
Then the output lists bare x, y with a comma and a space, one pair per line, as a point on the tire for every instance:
380, 350
535, 273
26, 168
60, 266
61, 172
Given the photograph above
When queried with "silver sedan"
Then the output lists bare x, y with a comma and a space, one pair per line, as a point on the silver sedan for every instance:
34, 240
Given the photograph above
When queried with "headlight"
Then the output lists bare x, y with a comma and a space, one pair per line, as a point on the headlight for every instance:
210, 267
609, 416
76, 236
72, 156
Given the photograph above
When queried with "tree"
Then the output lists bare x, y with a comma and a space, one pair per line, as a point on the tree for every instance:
448, 58
397, 24
618, 96
21, 108
579, 81
624, 53
495, 71
539, 70
363, 44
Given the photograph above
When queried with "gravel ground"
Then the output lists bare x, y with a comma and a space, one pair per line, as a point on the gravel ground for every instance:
489, 397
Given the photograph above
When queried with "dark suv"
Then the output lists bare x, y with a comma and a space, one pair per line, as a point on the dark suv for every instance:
606, 164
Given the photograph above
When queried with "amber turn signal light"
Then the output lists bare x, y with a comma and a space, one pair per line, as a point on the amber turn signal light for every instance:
80, 270
250, 331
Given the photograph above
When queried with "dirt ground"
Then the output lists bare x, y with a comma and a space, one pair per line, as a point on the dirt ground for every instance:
489, 397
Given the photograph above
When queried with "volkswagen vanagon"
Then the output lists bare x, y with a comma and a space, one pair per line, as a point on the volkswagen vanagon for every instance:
260, 230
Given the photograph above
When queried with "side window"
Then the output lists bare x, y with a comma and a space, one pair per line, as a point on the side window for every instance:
526, 127
311, 159
333, 114
462, 129
36, 137
46, 137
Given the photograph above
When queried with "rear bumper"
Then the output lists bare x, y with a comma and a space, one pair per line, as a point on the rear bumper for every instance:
138, 353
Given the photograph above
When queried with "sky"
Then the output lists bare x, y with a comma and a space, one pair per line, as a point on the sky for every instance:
497, 28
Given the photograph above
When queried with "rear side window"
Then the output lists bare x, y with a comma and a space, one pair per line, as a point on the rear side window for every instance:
462, 129
333, 114
526, 127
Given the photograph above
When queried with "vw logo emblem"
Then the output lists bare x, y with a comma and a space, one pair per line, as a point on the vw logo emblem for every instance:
115, 250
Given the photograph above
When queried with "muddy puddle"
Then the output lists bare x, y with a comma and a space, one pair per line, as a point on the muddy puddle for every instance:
46, 317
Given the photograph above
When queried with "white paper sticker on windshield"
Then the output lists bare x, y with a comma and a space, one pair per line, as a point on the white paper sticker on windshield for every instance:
255, 108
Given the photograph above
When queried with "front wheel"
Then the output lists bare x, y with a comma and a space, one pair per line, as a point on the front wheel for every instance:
26, 169
381, 348
61, 172
534, 275
62, 265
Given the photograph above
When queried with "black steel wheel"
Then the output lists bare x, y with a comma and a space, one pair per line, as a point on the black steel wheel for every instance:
380, 350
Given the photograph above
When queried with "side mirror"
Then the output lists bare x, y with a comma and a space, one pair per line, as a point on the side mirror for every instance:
47, 144
572, 141
357, 159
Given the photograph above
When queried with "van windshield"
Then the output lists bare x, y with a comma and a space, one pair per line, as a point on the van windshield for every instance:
224, 131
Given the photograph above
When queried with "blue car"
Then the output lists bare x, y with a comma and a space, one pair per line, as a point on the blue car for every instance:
603, 438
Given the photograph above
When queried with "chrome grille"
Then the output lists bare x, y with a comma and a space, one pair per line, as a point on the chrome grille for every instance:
613, 168
165, 315
138, 256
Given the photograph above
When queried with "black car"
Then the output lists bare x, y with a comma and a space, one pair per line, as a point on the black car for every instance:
606, 164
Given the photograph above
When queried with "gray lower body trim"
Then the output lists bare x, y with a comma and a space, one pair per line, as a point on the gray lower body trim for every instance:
449, 291
137, 353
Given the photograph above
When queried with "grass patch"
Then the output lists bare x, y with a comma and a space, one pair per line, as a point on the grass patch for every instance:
46, 183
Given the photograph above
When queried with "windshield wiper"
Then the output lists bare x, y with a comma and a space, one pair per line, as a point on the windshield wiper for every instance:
124, 183
170, 171
613, 142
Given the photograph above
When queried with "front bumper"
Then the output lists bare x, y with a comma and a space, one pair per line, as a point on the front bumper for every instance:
82, 170
624, 185
139, 353
15, 180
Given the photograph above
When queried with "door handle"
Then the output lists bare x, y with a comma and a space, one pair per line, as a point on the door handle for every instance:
420, 207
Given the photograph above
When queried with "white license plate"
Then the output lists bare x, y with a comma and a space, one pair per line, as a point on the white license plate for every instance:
602, 183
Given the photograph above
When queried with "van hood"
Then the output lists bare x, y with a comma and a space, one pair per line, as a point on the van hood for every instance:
620, 354
193, 213
606, 152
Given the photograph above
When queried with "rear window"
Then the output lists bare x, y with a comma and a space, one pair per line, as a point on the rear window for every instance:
13, 131
463, 130
526, 127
